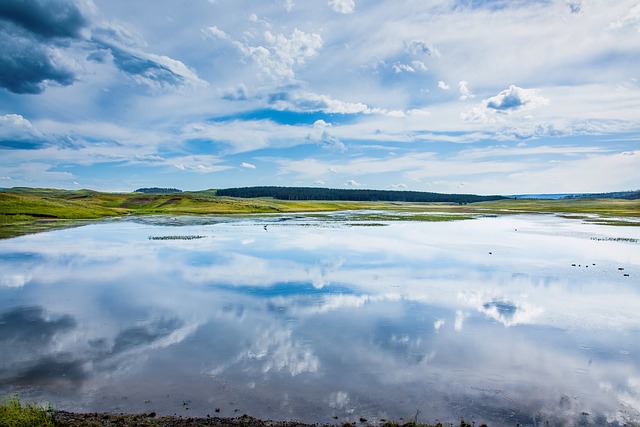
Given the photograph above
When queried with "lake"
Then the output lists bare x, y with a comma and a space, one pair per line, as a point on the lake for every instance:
512, 319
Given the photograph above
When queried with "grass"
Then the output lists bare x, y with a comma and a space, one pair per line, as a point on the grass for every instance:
15, 414
29, 210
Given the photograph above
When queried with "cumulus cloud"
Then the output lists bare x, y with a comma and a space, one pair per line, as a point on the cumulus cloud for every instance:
442, 85
18, 133
343, 6
331, 143
398, 187
46, 42
248, 165
281, 54
321, 124
236, 94
465, 92
302, 101
324, 139
418, 47
353, 183
32, 38
459, 320
411, 67
215, 32
514, 99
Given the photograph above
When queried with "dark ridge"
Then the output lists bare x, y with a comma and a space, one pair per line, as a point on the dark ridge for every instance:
313, 193
628, 195
156, 190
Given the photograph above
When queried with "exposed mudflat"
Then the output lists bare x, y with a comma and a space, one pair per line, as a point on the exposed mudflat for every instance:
69, 419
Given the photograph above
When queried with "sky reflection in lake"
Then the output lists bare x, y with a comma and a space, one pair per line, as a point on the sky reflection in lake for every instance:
501, 320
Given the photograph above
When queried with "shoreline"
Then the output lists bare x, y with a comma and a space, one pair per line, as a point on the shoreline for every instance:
73, 419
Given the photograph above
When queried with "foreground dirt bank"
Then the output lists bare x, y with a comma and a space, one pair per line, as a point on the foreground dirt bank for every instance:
68, 419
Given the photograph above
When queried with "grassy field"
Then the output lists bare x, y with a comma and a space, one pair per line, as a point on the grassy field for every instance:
27, 210
14, 413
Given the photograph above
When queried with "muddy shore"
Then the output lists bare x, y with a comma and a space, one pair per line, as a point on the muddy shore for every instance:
69, 419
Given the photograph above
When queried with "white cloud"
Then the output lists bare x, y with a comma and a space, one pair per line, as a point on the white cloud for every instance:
199, 164
442, 85
215, 32
459, 322
281, 54
422, 47
14, 127
631, 18
399, 68
321, 124
353, 183
331, 143
288, 5
465, 92
343, 6
248, 165
514, 99
303, 101
398, 186
412, 67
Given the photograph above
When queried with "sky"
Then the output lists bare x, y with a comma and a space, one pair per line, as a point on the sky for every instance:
454, 96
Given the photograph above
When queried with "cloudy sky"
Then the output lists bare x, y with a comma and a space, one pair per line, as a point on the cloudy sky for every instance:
474, 96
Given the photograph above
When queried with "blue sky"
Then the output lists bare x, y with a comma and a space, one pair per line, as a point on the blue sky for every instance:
487, 97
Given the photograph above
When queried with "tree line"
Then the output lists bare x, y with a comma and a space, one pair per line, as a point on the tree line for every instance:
629, 195
358, 195
156, 190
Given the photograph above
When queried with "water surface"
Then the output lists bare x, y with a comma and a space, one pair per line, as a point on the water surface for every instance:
514, 319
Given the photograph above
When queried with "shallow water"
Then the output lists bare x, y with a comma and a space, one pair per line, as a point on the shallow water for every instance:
514, 319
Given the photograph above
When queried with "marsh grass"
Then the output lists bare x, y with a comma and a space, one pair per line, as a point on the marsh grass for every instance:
15, 414
172, 237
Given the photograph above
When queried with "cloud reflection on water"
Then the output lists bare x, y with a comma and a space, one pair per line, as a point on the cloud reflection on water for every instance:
486, 319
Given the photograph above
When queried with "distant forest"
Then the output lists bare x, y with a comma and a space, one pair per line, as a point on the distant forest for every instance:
311, 193
156, 190
629, 195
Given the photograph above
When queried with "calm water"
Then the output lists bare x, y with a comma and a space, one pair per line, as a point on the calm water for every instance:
502, 320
